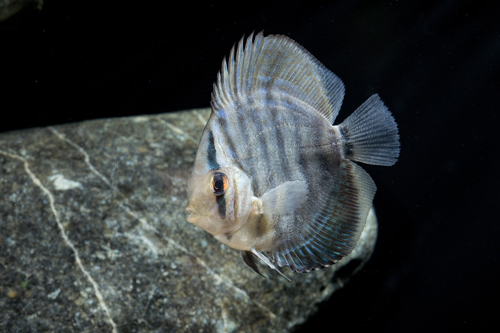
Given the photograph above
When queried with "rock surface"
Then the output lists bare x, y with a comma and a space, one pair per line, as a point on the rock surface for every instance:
93, 238
11, 7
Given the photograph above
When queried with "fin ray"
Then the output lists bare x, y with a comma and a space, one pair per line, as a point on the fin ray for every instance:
334, 232
248, 259
266, 260
279, 65
371, 134
285, 198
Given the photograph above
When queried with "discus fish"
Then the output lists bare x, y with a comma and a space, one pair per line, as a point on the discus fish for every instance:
272, 174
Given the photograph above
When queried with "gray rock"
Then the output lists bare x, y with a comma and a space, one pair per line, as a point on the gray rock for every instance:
11, 7
93, 238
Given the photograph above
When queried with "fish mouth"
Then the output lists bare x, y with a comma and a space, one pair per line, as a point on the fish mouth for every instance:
192, 214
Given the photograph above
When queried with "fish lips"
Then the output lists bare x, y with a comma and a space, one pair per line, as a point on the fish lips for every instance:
192, 215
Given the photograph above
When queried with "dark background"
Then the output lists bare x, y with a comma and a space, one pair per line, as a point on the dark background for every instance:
434, 63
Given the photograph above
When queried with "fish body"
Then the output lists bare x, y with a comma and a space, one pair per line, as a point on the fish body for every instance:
272, 174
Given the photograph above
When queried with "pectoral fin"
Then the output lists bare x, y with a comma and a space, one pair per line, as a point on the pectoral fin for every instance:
285, 198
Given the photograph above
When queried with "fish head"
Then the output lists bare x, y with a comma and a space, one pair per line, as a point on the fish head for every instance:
219, 200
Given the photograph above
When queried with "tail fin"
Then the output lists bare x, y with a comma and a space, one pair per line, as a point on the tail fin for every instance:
370, 134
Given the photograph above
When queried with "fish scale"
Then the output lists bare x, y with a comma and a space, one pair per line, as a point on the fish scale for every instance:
291, 187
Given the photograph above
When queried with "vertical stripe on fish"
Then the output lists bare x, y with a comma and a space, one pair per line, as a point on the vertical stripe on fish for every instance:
294, 190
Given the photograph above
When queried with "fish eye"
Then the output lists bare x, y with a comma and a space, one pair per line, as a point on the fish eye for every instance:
218, 185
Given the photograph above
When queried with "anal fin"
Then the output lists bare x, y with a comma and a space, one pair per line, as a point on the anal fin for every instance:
334, 230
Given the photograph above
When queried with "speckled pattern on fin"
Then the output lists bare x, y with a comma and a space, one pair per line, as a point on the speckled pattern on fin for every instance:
336, 229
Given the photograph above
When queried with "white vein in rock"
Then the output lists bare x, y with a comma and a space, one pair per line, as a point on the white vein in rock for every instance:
78, 261
104, 179
178, 130
200, 117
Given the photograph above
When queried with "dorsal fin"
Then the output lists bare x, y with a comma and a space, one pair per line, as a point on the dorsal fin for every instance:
276, 64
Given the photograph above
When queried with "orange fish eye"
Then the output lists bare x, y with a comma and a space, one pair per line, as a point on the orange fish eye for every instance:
218, 185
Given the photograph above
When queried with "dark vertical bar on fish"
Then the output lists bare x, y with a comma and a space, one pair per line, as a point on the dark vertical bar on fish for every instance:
294, 189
